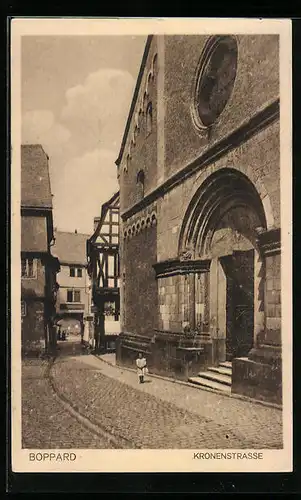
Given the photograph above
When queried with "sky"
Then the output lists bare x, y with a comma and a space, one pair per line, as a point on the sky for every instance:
76, 95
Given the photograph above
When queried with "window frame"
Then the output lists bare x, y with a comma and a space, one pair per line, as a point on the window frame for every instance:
141, 183
73, 291
211, 47
34, 273
149, 116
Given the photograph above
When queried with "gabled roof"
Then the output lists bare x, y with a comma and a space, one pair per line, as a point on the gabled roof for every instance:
112, 202
70, 248
35, 179
135, 97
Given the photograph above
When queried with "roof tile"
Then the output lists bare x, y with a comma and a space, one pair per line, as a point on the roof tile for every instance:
70, 247
35, 179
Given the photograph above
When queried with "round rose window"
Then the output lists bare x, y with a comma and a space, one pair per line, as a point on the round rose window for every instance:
215, 79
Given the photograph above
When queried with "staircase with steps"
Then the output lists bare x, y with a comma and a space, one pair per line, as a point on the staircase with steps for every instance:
215, 377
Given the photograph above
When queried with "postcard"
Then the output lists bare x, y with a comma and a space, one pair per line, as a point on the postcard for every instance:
151, 237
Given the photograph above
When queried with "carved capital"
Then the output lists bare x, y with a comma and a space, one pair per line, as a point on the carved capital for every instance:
269, 241
186, 255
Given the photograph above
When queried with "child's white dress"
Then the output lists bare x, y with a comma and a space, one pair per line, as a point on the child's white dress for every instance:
141, 365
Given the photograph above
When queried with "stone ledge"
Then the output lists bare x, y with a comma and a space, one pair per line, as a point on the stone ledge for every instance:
261, 381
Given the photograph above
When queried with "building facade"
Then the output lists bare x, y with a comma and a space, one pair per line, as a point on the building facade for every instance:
200, 223
38, 266
103, 268
73, 308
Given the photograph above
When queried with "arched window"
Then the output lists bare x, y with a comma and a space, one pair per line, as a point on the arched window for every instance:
149, 118
127, 164
140, 184
155, 65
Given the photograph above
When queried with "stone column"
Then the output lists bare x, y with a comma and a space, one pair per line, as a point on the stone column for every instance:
259, 285
206, 300
191, 312
268, 339
260, 374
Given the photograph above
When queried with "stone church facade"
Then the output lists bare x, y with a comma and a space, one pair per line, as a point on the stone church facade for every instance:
199, 180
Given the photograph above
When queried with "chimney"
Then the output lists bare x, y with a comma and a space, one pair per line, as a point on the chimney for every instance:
75, 231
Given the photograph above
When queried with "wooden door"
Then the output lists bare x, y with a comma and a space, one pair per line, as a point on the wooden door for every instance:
239, 269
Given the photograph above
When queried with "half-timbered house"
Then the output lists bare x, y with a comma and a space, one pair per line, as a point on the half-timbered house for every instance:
103, 267
38, 266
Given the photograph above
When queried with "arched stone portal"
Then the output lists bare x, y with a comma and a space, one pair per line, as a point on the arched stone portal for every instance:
222, 225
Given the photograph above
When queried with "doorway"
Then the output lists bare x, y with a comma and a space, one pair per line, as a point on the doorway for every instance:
239, 271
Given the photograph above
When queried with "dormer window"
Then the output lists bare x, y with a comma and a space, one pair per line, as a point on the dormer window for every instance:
149, 119
140, 184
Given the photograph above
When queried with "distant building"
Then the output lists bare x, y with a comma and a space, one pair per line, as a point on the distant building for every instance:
73, 308
200, 246
103, 267
38, 266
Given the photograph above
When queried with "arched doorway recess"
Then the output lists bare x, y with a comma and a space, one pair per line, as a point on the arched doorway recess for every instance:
222, 225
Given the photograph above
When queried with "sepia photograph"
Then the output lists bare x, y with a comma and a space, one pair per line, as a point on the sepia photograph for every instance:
151, 245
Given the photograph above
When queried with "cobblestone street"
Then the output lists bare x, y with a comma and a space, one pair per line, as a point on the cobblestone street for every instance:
157, 414
45, 422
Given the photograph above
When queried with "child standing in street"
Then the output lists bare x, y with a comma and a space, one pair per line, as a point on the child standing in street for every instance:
141, 367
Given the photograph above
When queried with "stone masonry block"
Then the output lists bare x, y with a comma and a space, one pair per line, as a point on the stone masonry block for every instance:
270, 284
273, 297
271, 310
278, 311
273, 323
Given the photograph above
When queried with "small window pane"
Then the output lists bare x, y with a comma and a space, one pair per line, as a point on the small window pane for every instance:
69, 296
79, 273
30, 268
23, 268
76, 296
72, 272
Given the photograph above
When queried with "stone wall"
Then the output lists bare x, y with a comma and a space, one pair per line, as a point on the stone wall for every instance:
140, 307
141, 146
257, 158
166, 353
273, 299
33, 328
256, 84
182, 302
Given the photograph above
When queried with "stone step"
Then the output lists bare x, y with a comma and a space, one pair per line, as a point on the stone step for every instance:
226, 364
216, 377
210, 384
221, 369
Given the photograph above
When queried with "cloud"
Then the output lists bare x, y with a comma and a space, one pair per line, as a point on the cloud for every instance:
83, 144
39, 127
96, 111
84, 184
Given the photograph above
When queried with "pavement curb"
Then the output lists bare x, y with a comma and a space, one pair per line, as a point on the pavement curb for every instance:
96, 429
194, 386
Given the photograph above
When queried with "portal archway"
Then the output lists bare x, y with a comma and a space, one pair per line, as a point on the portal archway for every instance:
222, 225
